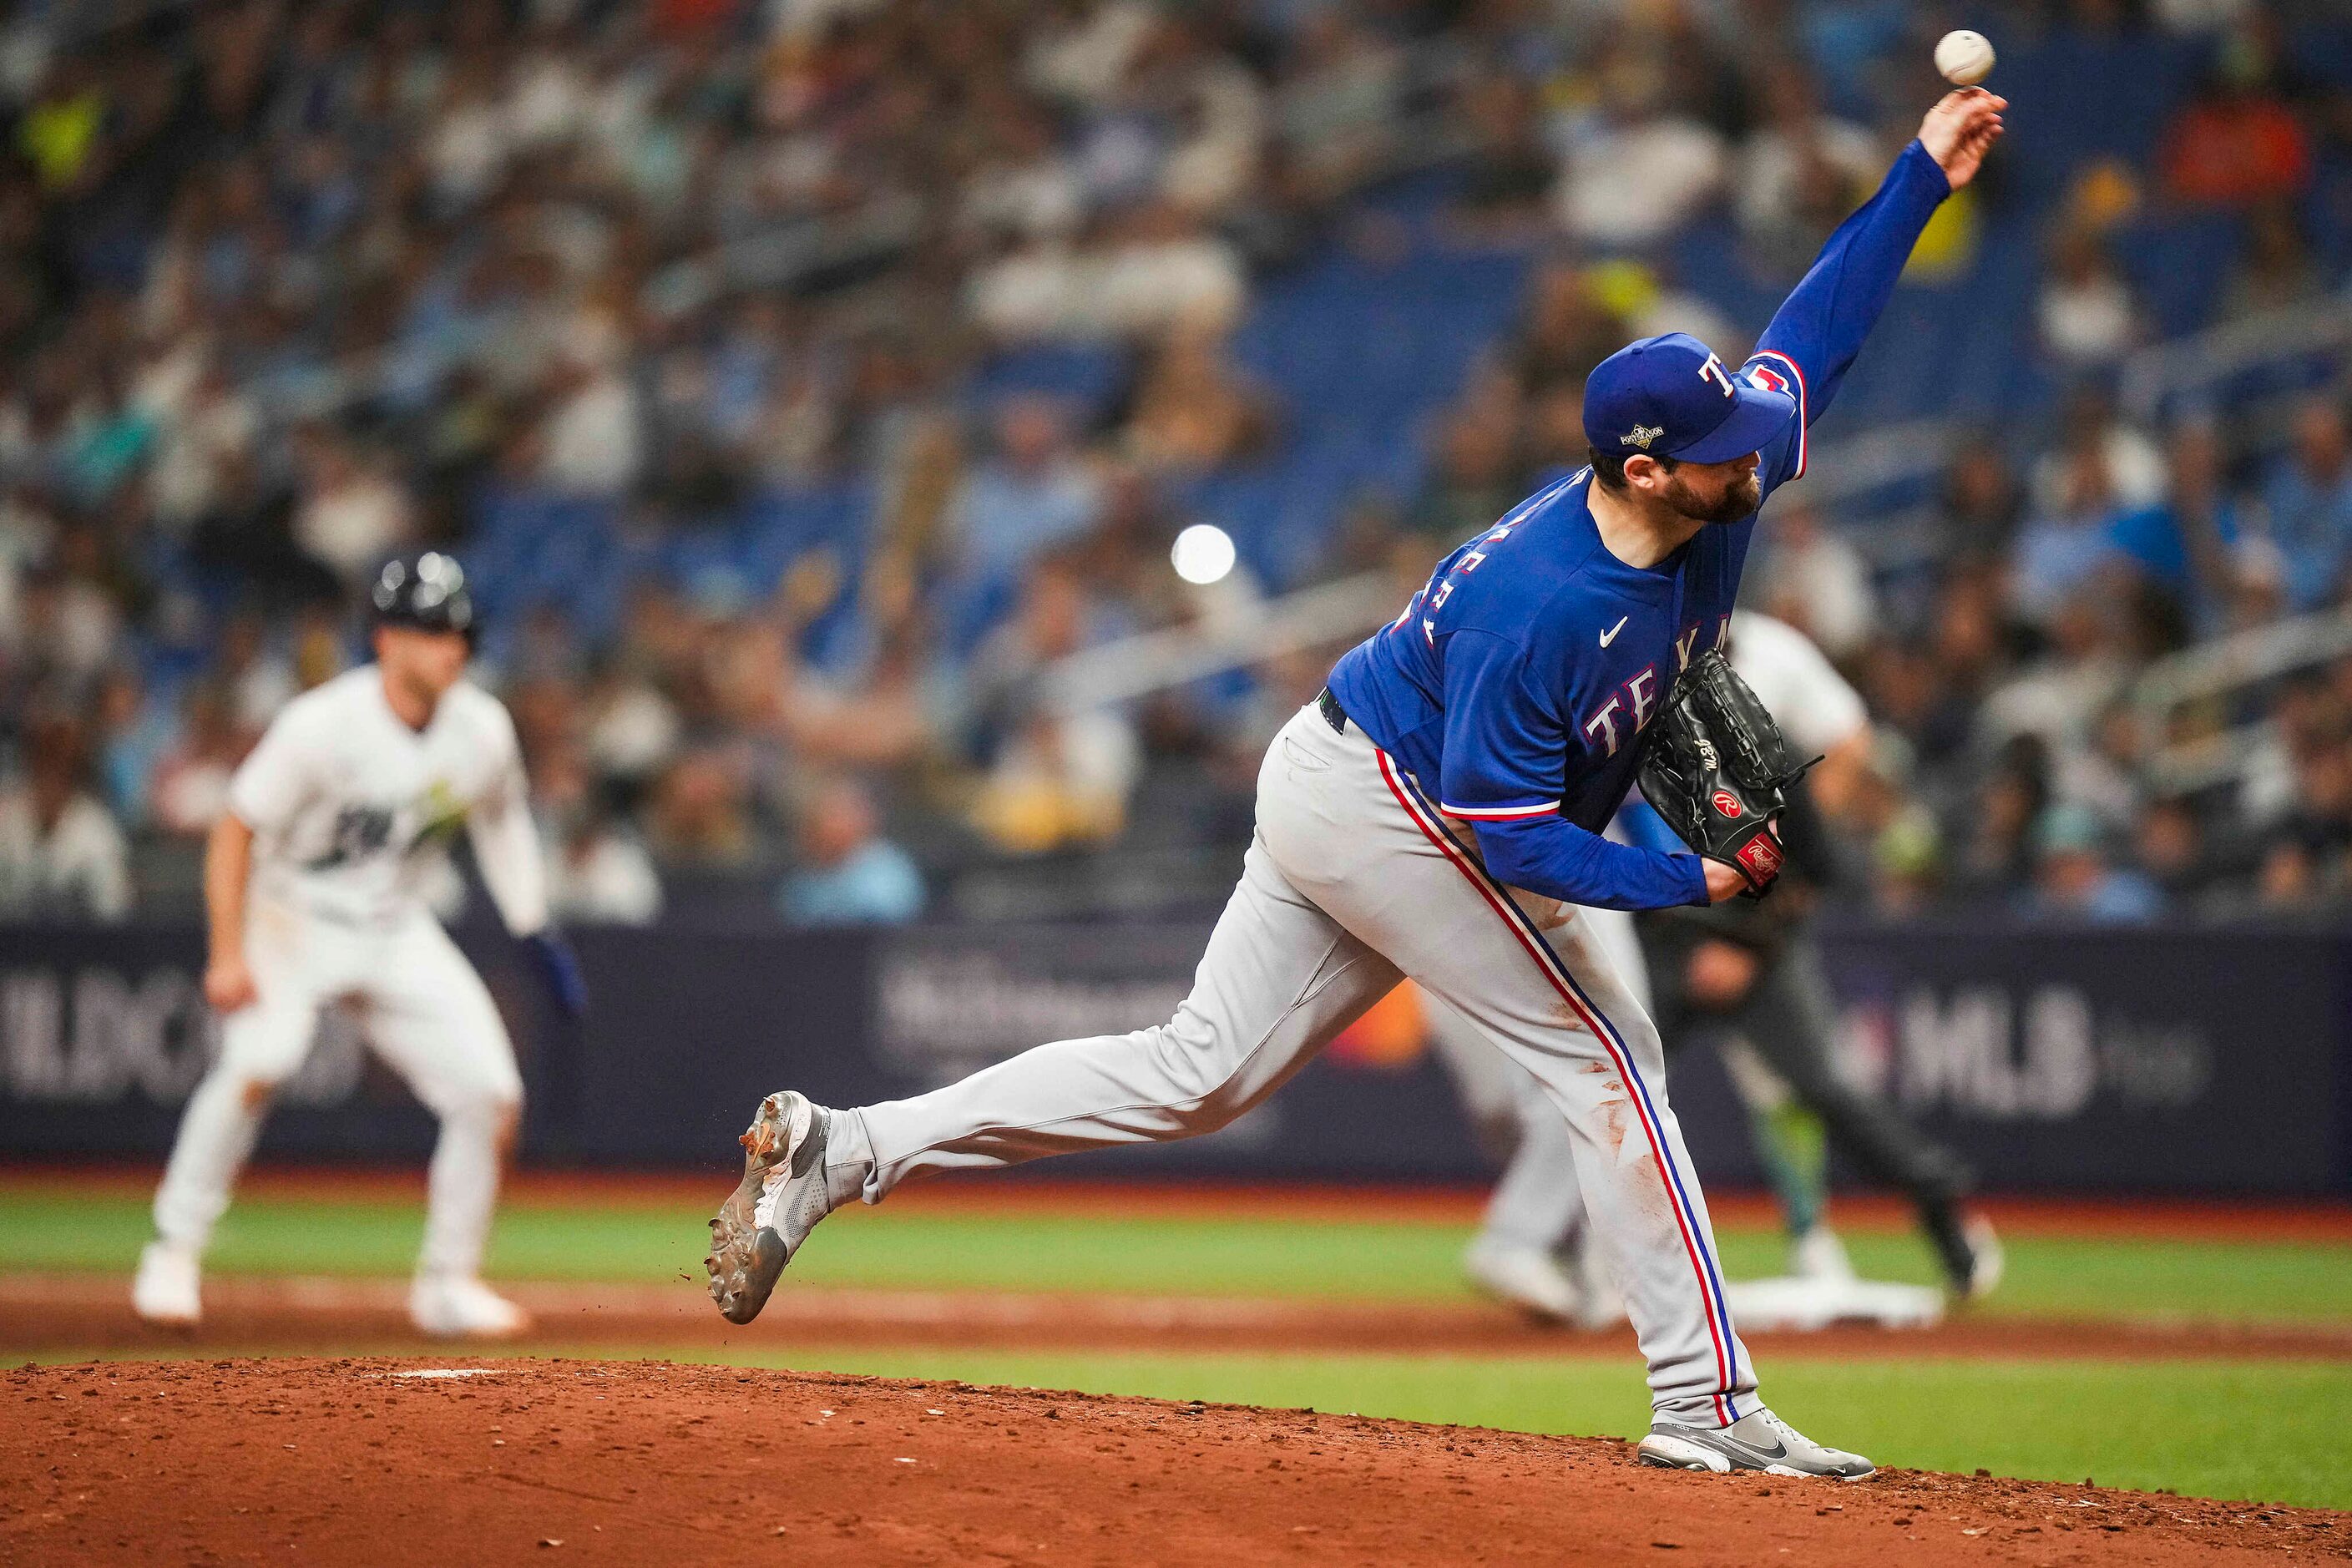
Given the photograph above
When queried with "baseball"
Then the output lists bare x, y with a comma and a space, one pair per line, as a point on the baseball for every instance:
1965, 59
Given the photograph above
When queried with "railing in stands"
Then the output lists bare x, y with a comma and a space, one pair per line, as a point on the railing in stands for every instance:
2213, 672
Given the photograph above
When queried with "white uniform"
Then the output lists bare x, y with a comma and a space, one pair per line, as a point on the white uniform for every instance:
351, 811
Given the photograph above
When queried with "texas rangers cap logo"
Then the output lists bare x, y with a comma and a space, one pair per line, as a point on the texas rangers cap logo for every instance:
1727, 803
1642, 436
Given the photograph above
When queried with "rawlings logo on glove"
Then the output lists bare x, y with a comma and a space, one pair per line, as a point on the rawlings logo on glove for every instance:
1716, 767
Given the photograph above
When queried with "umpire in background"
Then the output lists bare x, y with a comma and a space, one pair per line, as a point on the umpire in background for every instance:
1750, 973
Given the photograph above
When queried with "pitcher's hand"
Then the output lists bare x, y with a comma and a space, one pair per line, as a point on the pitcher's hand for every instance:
1960, 129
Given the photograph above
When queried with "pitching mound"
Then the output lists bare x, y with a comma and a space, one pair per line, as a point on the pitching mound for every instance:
366, 1461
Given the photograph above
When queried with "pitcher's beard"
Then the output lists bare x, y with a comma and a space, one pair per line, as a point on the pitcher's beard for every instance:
1740, 498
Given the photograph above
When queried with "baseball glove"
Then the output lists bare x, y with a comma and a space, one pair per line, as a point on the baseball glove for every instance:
1716, 767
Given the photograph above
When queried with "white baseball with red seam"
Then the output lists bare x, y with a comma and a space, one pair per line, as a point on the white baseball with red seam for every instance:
1965, 59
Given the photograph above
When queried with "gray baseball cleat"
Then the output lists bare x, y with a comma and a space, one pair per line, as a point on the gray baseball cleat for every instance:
779, 1200
1758, 1440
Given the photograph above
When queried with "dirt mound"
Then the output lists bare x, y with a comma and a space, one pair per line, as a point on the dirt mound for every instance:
472, 1460
78, 1313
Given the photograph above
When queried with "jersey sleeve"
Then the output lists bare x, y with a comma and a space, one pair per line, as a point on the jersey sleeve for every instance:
278, 775
1783, 458
1814, 338
1506, 745
505, 840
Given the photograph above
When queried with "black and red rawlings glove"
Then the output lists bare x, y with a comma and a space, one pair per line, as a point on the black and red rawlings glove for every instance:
1716, 767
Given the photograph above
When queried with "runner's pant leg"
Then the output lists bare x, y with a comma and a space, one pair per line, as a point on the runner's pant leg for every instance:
262, 1044
431, 1017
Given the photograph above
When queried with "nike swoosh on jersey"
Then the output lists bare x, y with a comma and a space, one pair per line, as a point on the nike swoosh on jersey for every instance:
1610, 634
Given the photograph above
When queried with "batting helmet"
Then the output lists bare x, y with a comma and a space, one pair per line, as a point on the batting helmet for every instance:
428, 592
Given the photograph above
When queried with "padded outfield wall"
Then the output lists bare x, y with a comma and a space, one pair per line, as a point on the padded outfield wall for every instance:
2157, 1061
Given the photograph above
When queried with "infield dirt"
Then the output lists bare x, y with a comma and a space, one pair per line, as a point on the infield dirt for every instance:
81, 1313
466, 1460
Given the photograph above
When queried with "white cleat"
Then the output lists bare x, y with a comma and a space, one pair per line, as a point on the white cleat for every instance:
1527, 1278
165, 1290
460, 1308
1819, 1254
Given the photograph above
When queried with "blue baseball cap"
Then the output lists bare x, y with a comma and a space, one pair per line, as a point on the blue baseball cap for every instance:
1670, 397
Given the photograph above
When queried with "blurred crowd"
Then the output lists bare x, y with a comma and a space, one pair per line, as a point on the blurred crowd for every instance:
287, 288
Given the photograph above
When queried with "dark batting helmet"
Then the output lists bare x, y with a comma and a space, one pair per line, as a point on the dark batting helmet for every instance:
428, 592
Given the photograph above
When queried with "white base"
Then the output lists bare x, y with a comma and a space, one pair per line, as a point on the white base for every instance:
1794, 1305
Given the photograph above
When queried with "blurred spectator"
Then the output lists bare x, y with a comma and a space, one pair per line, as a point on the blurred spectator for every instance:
590, 441
2189, 542
600, 874
1510, 170
136, 730
1472, 485
1802, 172
2133, 464
2308, 497
2306, 857
2055, 556
1569, 329
1338, 105
349, 517
2087, 314
61, 855
191, 787
1813, 578
1032, 494
2237, 142
2060, 696
2276, 271
2075, 879
849, 874
1634, 169
2308, 717
2169, 850
1980, 504
700, 811
1196, 413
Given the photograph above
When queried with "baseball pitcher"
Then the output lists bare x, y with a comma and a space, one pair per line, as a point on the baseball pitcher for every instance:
1436, 814
312, 890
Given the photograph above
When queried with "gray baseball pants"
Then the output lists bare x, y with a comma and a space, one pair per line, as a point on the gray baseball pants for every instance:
1354, 881
1536, 1203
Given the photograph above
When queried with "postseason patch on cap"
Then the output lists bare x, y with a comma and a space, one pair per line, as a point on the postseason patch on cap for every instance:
1642, 436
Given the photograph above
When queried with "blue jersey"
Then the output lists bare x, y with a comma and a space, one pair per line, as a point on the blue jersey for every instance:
1516, 684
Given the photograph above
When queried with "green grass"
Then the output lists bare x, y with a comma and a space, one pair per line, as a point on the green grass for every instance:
2263, 1429
1253, 1254
2270, 1430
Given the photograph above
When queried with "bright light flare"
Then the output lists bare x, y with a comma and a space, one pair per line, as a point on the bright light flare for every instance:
1204, 554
